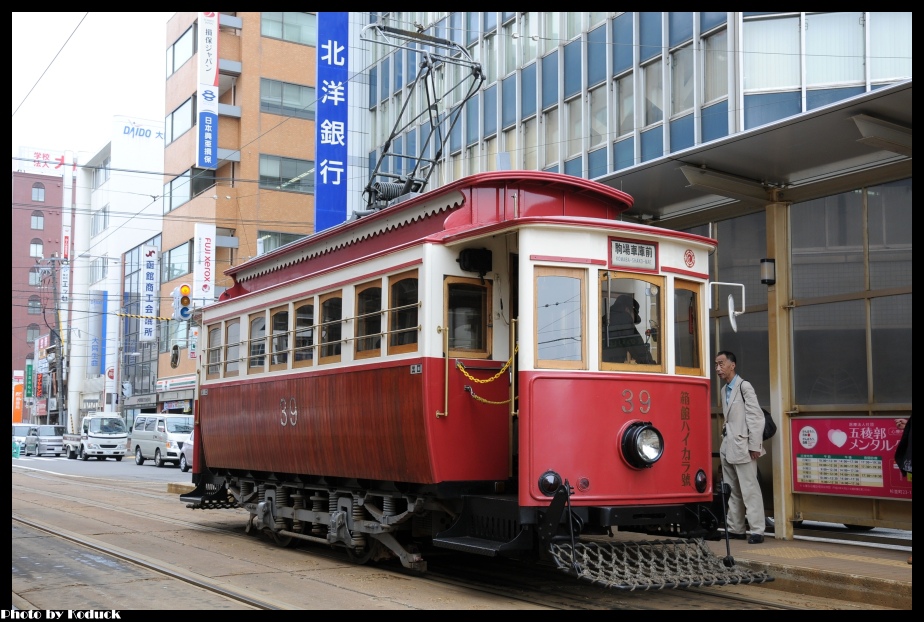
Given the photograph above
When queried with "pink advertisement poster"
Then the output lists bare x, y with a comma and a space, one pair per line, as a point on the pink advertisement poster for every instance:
847, 456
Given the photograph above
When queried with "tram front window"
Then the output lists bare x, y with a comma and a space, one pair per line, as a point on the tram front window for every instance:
630, 319
467, 313
560, 312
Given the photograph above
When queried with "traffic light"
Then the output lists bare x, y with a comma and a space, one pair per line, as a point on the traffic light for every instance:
182, 302
184, 309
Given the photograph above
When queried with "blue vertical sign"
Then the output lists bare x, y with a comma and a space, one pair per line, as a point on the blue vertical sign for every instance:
330, 171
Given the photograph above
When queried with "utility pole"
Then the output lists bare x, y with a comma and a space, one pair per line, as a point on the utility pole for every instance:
60, 361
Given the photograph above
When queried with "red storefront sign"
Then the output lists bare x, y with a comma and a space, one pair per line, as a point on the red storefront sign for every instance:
847, 456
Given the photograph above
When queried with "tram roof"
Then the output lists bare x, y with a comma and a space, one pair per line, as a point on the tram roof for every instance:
865, 139
610, 203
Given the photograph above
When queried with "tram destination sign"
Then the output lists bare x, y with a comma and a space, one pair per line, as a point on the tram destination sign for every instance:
633, 255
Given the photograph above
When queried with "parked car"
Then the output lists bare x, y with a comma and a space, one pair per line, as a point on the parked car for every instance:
160, 437
186, 454
20, 432
45, 439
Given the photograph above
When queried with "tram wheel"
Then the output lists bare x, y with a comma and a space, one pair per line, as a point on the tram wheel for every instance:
366, 554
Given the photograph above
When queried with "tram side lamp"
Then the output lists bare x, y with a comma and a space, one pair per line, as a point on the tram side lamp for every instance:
182, 302
476, 260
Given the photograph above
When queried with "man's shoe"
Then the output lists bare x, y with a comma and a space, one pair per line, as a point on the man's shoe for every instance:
755, 538
736, 536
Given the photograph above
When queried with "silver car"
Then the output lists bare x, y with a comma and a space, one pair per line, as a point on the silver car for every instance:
186, 454
45, 439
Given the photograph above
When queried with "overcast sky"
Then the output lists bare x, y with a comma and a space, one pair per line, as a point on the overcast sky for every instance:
107, 64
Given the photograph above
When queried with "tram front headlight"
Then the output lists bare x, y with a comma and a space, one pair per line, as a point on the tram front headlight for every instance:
642, 444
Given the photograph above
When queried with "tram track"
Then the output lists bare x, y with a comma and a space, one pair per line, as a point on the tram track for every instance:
535, 584
160, 567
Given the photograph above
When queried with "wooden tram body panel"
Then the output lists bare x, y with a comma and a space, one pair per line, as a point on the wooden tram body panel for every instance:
374, 421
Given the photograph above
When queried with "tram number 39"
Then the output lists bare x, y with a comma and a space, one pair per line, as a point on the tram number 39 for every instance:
288, 412
629, 401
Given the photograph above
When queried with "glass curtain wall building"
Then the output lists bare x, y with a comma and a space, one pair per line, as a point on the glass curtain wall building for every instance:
592, 93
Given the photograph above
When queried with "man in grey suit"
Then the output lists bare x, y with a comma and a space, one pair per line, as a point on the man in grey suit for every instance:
742, 445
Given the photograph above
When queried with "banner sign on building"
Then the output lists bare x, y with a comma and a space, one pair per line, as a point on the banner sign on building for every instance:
330, 170
43, 161
847, 456
17, 402
28, 379
207, 92
203, 264
96, 333
150, 293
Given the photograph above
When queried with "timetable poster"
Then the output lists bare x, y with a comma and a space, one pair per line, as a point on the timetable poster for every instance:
847, 456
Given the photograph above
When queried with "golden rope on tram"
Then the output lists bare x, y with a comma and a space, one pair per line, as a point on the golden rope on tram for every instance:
462, 369
484, 401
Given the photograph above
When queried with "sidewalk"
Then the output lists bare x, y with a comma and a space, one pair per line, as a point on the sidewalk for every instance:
829, 569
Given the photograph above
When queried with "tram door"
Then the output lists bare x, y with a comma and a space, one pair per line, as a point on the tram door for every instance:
514, 272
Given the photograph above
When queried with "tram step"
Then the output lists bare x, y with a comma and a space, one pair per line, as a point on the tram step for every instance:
487, 526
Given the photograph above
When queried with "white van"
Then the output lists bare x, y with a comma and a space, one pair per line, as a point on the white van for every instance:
160, 437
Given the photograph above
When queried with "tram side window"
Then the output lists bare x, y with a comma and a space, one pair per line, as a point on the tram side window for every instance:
468, 309
559, 324
331, 327
232, 347
687, 346
404, 306
630, 325
279, 321
368, 320
304, 333
257, 358
214, 352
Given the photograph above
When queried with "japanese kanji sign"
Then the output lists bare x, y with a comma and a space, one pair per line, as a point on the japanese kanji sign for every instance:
150, 293
207, 93
633, 254
847, 456
330, 170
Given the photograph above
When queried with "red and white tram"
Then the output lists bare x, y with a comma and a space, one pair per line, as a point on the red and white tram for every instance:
499, 366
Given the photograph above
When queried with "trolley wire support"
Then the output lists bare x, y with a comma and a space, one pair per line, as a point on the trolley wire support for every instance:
435, 53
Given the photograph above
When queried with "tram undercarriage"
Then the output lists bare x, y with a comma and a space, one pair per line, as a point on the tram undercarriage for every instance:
379, 523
